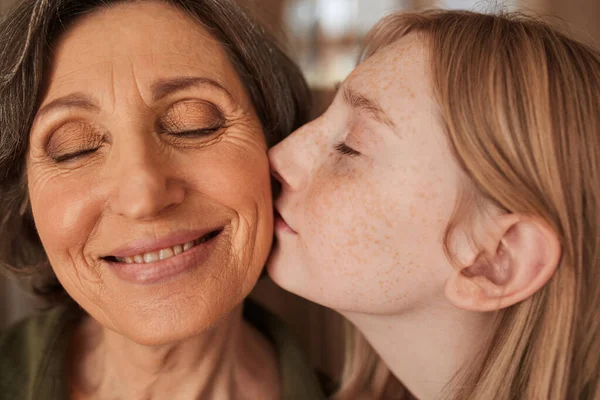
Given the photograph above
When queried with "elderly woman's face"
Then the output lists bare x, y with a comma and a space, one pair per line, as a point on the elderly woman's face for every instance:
148, 175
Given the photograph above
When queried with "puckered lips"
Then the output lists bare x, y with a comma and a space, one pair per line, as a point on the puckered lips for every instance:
154, 261
281, 225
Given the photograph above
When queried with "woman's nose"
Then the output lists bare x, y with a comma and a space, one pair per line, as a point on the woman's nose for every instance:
292, 160
145, 184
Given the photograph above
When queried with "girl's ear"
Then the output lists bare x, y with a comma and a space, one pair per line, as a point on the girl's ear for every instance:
520, 255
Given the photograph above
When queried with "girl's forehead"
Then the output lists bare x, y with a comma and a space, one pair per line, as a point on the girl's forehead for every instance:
400, 66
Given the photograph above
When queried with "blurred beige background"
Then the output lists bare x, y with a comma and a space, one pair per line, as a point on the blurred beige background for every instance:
324, 37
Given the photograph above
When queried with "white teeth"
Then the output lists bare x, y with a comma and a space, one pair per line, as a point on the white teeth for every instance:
151, 257
177, 249
165, 253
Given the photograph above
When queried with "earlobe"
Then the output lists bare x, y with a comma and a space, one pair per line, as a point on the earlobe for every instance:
518, 255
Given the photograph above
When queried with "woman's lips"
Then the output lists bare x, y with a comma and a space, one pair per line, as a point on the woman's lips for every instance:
150, 245
158, 271
281, 225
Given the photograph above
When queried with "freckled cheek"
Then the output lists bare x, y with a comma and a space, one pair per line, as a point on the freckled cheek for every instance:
371, 220
337, 222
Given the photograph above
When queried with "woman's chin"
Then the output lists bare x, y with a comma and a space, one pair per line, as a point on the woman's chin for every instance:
155, 327
155, 315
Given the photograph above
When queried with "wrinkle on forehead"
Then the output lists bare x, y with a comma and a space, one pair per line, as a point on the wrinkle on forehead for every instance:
101, 43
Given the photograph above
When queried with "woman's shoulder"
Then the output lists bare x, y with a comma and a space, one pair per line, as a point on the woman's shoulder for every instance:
40, 321
28, 335
29, 351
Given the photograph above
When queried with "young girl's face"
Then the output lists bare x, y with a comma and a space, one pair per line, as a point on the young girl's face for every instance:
368, 190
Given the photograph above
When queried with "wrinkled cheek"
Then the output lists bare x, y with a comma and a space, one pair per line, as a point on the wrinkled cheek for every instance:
250, 247
64, 225
255, 230
265, 217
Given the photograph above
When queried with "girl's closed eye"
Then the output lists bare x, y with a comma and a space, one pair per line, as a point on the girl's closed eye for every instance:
346, 146
343, 149
362, 139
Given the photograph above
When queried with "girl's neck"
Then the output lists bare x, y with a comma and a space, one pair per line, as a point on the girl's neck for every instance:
425, 349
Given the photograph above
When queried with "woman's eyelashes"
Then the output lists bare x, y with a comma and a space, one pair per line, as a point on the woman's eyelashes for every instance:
193, 119
184, 134
343, 149
197, 132
74, 140
63, 158
79, 154
184, 124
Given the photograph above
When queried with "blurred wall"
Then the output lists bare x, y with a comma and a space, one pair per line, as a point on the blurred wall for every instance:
5, 4
582, 15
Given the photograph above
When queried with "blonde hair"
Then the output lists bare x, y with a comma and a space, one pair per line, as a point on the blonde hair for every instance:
520, 104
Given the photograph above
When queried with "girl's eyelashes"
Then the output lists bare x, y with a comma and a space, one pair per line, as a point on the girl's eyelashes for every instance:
343, 149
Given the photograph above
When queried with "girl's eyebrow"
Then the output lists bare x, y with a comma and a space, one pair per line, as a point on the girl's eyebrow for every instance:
368, 105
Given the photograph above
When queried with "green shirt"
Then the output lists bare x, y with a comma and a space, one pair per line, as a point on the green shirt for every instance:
33, 356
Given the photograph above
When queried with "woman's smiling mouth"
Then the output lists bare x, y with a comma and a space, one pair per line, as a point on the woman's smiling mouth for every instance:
166, 253
161, 263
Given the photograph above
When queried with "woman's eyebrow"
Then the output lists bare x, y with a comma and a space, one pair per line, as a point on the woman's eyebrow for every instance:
160, 89
361, 102
73, 100
165, 87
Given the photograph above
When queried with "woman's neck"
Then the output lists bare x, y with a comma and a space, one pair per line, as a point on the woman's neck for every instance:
426, 349
218, 364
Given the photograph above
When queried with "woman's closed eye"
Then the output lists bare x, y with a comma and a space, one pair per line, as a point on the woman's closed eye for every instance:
73, 141
202, 132
74, 155
186, 120
193, 119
